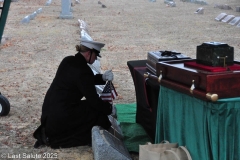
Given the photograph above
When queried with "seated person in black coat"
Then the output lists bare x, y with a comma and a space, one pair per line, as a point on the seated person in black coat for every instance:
67, 119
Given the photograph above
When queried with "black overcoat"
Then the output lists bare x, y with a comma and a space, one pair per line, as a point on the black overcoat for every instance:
66, 117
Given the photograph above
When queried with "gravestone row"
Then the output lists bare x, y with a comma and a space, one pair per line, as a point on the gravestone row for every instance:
172, 3
223, 6
230, 19
66, 12
226, 7
31, 16
202, 2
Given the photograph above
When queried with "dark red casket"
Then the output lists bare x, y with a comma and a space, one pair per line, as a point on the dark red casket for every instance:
205, 82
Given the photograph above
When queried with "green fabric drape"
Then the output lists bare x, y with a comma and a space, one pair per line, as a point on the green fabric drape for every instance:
126, 112
134, 133
210, 130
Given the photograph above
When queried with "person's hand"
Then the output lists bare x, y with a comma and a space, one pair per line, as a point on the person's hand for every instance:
108, 75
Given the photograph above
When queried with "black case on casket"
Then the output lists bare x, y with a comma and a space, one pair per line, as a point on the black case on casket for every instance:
153, 57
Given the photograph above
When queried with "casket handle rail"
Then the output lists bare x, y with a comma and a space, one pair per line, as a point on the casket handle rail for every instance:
192, 87
173, 85
212, 97
148, 75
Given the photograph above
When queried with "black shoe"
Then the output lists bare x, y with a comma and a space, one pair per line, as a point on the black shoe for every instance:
40, 135
38, 145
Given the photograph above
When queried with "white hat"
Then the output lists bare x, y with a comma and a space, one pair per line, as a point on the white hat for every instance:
92, 45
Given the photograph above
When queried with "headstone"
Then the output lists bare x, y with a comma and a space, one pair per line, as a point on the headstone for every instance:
106, 146
220, 6
66, 9
33, 15
3, 40
235, 21
201, 2
228, 18
48, 2
227, 7
170, 3
167, 1
188, 0
238, 9
221, 16
238, 25
26, 19
39, 10
115, 129
199, 11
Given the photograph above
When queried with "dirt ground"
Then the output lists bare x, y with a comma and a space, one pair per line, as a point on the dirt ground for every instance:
31, 53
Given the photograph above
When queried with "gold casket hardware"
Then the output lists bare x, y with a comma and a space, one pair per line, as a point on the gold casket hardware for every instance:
153, 77
160, 76
192, 87
224, 60
212, 97
145, 75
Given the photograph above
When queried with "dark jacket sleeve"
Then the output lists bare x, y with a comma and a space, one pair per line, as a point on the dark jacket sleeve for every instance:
98, 80
87, 87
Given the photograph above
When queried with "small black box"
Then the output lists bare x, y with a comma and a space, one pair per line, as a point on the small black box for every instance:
215, 54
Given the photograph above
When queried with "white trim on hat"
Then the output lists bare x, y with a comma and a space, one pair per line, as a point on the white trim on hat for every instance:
92, 44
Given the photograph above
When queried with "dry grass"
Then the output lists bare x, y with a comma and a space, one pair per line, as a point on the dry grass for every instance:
32, 53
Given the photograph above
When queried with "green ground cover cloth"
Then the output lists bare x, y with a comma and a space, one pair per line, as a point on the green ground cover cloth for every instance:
134, 134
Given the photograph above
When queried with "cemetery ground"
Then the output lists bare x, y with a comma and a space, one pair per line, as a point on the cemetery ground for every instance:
30, 53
